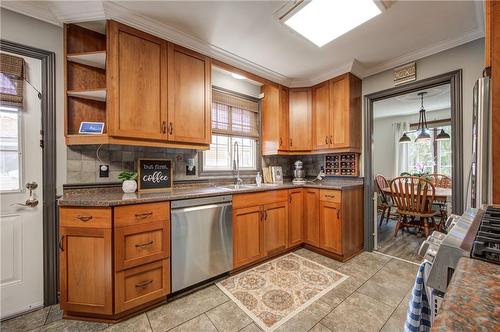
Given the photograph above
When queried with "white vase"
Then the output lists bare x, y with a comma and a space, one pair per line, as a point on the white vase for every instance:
129, 186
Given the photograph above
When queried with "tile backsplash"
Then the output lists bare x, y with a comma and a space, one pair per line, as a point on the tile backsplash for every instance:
83, 162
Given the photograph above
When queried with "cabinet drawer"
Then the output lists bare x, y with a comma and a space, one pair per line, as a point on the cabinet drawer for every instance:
260, 198
142, 284
85, 217
143, 243
141, 213
334, 196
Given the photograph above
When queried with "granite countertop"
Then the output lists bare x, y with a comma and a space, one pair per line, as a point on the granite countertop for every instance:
472, 300
99, 197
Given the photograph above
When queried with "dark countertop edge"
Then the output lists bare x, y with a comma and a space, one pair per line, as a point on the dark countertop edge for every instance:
168, 196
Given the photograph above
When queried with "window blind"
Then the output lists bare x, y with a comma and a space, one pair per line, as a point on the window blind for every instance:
233, 115
11, 80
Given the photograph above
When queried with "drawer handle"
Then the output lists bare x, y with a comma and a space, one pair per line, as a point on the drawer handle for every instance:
143, 284
330, 196
144, 215
142, 245
84, 218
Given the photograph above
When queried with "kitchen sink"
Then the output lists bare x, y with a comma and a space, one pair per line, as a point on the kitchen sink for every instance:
236, 187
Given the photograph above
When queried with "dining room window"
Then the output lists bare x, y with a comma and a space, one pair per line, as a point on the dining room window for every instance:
432, 156
234, 119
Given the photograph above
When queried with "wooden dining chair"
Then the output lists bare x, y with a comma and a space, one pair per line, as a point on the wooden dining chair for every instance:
440, 181
413, 197
385, 201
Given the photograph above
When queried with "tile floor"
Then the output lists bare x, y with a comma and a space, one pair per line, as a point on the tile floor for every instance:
374, 298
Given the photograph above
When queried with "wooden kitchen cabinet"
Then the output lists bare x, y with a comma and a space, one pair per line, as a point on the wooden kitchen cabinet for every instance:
275, 230
189, 96
311, 216
113, 261
345, 113
275, 106
321, 116
136, 83
260, 226
295, 217
330, 237
248, 245
341, 227
85, 256
300, 120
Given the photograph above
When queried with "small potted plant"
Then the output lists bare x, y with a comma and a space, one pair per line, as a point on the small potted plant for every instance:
129, 184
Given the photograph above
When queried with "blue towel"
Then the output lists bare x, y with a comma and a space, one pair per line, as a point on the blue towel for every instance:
418, 316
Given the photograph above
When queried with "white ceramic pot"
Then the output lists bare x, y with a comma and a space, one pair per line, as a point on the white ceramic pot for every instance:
129, 186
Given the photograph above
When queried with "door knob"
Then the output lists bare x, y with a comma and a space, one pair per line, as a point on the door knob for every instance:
31, 201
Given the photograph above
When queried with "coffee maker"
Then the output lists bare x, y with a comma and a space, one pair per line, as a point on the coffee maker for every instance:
298, 173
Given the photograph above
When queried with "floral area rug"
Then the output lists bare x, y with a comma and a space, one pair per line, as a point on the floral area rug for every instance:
275, 291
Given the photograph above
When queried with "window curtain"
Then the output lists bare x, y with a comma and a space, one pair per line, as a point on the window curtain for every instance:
11, 80
400, 150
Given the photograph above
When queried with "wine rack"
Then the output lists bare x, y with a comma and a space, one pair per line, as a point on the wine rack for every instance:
342, 164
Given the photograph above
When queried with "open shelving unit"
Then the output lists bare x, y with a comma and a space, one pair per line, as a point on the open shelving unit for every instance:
85, 70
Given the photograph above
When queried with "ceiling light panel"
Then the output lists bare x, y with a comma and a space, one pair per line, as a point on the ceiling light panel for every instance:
322, 21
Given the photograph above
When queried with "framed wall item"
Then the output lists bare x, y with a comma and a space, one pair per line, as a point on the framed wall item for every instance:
154, 175
277, 174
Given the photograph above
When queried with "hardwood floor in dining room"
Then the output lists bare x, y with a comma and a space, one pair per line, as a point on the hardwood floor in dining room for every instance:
405, 245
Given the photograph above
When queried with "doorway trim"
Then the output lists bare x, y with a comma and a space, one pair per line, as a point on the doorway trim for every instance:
453, 78
48, 144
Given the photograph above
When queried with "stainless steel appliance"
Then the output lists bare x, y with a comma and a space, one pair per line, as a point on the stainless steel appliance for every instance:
202, 240
480, 176
298, 173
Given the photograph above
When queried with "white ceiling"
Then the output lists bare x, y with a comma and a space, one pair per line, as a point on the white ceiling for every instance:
437, 98
249, 35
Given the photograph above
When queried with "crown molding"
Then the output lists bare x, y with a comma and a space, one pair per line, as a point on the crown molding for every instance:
73, 12
425, 52
116, 12
31, 9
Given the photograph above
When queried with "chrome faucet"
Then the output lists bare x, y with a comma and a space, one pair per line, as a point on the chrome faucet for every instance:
236, 163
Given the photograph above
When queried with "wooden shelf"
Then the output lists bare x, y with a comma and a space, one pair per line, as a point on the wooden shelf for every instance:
93, 59
98, 94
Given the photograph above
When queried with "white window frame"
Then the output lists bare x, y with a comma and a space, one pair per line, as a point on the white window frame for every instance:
20, 147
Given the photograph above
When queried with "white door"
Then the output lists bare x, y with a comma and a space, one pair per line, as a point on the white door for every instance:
21, 227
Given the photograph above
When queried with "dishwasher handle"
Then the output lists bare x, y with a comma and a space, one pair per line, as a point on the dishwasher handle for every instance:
201, 207
185, 203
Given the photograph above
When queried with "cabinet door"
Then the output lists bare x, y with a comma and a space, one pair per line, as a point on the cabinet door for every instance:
283, 126
247, 235
136, 83
275, 227
311, 217
300, 119
189, 96
330, 233
86, 283
272, 141
345, 116
321, 116
295, 217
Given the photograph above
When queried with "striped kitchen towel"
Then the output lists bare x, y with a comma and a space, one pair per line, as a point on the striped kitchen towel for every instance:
418, 316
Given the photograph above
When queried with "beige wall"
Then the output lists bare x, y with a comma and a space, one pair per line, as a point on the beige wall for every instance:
468, 57
31, 32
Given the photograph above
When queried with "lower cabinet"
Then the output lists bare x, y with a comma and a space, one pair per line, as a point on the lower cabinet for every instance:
330, 231
296, 217
86, 275
311, 216
248, 244
113, 260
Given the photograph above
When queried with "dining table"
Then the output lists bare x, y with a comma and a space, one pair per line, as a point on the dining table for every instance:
440, 194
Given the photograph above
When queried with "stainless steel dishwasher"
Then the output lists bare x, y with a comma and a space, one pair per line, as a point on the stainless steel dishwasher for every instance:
202, 240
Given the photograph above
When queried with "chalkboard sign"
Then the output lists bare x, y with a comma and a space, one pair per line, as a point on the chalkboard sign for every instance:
154, 174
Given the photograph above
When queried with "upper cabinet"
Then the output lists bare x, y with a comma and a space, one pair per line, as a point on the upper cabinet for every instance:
345, 113
137, 90
147, 91
274, 119
325, 118
189, 96
299, 120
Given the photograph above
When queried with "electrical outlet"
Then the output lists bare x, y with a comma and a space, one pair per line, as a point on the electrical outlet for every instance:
104, 171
